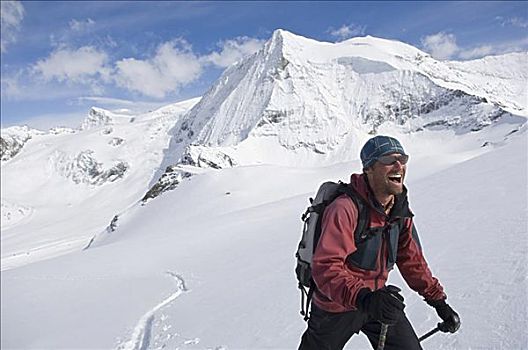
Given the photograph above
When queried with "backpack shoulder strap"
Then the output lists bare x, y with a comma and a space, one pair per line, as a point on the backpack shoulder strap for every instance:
363, 211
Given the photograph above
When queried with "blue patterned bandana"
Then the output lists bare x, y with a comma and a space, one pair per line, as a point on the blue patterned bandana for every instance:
379, 146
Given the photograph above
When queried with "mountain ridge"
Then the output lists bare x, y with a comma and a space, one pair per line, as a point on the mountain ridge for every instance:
282, 106
310, 98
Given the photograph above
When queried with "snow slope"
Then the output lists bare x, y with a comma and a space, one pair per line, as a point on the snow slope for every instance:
63, 187
210, 265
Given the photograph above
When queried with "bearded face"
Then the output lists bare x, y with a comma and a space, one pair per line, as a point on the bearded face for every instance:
386, 175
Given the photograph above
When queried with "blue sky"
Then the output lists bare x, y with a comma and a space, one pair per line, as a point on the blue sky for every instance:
60, 58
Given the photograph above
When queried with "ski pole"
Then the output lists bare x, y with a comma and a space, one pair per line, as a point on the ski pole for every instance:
393, 290
430, 333
383, 336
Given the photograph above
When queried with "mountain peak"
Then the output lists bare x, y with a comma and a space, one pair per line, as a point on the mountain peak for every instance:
320, 97
302, 50
278, 34
281, 35
96, 117
288, 43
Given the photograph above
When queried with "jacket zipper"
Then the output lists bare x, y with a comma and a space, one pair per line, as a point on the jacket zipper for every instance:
383, 244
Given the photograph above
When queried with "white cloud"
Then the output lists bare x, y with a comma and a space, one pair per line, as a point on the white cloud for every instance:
25, 85
83, 25
119, 105
234, 50
108, 101
10, 87
440, 45
513, 21
477, 52
501, 48
11, 15
444, 46
518, 22
50, 120
173, 66
83, 65
514, 45
347, 31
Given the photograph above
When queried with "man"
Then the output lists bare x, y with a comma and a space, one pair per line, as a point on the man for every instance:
351, 295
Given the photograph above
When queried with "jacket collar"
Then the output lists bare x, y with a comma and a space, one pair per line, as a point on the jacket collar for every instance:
401, 202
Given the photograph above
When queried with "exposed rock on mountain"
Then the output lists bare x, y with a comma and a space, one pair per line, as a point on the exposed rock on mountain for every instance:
12, 213
62, 131
204, 157
96, 117
84, 168
172, 177
13, 139
116, 141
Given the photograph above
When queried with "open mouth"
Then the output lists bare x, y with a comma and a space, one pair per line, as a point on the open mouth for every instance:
396, 178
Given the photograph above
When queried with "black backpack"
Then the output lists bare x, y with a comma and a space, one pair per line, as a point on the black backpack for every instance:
312, 219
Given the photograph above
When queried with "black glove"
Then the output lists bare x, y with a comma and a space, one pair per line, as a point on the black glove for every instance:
384, 305
447, 314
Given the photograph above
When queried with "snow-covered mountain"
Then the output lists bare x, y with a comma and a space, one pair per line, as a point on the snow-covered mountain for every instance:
200, 200
61, 187
296, 102
310, 101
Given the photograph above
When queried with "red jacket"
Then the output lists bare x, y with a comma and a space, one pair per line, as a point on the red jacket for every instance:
339, 282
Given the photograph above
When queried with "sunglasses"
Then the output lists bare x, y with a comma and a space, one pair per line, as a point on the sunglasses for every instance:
392, 159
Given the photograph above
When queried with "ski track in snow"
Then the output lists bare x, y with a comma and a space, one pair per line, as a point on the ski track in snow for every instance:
141, 336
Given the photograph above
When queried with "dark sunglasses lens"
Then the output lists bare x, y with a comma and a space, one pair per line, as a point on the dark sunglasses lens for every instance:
389, 160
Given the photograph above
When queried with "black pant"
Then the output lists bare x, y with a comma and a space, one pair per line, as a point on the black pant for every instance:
331, 331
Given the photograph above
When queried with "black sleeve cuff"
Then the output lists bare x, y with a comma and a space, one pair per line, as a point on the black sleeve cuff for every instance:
436, 303
360, 298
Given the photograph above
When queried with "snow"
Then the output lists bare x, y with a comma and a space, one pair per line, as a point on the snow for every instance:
478, 245
234, 250
310, 101
13, 214
210, 264
64, 180
141, 336
500, 78
13, 140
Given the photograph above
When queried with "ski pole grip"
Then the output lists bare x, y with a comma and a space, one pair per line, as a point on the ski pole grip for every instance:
452, 328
